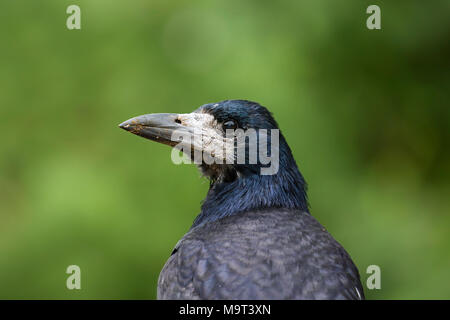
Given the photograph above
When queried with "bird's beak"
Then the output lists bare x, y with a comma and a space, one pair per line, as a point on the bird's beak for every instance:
192, 133
159, 127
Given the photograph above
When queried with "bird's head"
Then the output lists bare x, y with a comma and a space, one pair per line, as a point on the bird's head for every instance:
227, 140
237, 145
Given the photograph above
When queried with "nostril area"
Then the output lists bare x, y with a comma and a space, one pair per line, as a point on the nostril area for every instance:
178, 121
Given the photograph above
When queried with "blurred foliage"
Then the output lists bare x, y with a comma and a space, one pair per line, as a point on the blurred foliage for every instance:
365, 112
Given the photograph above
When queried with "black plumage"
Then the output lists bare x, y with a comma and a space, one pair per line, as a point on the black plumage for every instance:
254, 237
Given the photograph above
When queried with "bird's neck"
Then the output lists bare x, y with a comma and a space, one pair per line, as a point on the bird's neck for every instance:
285, 189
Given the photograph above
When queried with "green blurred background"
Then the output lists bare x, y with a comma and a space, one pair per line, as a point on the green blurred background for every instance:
365, 112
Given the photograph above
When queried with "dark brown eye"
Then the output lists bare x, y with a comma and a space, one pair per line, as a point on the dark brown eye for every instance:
229, 124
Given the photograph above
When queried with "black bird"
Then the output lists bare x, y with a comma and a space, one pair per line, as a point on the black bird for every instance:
254, 237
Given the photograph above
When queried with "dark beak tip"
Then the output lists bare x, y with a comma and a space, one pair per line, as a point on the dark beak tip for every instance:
124, 125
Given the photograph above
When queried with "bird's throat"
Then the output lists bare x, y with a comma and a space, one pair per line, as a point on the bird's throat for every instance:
286, 189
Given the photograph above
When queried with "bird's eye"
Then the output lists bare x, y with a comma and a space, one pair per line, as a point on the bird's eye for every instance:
229, 124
